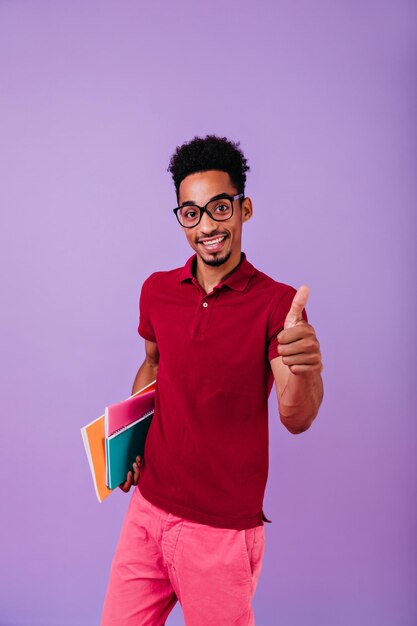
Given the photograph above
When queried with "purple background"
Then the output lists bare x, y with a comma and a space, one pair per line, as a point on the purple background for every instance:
95, 96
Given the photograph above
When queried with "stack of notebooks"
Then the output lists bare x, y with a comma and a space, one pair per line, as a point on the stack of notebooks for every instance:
114, 440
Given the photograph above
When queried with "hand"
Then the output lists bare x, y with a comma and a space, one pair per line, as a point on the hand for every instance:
131, 479
297, 343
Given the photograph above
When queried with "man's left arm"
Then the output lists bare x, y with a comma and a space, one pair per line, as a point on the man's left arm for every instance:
297, 369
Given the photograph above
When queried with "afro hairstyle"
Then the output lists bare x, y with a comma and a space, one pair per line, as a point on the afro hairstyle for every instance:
209, 153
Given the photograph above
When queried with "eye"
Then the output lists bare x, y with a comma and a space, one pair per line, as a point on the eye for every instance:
190, 214
222, 208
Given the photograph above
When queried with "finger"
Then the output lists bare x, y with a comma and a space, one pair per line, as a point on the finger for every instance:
135, 473
306, 369
298, 348
302, 359
128, 482
299, 331
295, 314
307, 343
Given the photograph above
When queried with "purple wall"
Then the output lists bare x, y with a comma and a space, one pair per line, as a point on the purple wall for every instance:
94, 98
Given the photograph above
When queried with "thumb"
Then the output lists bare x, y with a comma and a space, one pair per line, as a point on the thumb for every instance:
295, 313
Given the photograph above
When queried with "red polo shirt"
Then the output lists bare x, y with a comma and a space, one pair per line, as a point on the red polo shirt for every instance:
206, 453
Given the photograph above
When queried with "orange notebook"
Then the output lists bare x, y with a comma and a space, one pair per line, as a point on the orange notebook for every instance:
93, 436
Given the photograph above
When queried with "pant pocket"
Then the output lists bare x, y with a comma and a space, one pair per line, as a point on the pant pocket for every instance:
254, 543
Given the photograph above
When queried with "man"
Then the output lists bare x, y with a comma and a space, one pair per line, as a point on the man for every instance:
218, 333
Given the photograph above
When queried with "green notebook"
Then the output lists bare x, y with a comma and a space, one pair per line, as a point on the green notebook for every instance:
123, 447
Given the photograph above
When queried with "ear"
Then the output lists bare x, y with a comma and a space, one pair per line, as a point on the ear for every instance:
246, 209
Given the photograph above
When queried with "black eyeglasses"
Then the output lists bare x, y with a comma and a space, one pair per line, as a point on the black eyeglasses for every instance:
219, 209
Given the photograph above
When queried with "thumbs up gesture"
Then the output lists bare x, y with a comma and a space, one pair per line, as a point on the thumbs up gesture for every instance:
297, 343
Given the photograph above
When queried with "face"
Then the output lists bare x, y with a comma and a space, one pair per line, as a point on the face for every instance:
216, 243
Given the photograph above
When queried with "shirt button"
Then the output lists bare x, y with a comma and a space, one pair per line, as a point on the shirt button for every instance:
205, 304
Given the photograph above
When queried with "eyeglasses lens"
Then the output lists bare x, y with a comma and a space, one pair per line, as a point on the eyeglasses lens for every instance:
219, 211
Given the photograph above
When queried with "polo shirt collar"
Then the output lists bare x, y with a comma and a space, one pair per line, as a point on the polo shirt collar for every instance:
237, 280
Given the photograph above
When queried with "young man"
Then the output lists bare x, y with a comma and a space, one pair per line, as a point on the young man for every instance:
218, 333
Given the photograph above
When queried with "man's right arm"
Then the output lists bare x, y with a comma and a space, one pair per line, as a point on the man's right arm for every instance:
145, 375
149, 368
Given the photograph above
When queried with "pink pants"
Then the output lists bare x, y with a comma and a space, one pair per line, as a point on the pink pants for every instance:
162, 558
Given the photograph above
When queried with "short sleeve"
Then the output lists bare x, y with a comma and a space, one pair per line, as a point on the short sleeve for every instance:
145, 327
277, 318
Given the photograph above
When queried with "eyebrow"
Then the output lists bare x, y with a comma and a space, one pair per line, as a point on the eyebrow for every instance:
218, 197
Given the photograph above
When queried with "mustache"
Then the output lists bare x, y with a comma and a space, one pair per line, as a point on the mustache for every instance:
212, 234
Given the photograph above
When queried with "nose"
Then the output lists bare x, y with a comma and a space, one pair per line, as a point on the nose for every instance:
206, 223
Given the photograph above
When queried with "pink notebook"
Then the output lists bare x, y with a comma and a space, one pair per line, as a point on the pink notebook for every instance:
124, 413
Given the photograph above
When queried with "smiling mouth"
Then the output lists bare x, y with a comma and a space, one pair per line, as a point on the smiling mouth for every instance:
213, 242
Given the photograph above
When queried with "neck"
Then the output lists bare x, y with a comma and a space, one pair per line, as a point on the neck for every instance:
209, 277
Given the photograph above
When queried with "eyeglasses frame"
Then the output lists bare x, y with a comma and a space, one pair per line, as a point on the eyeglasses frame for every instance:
203, 209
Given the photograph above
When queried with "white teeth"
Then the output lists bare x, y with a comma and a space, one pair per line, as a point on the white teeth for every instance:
213, 242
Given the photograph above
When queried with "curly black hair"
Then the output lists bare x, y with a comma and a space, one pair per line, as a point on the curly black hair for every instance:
209, 153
